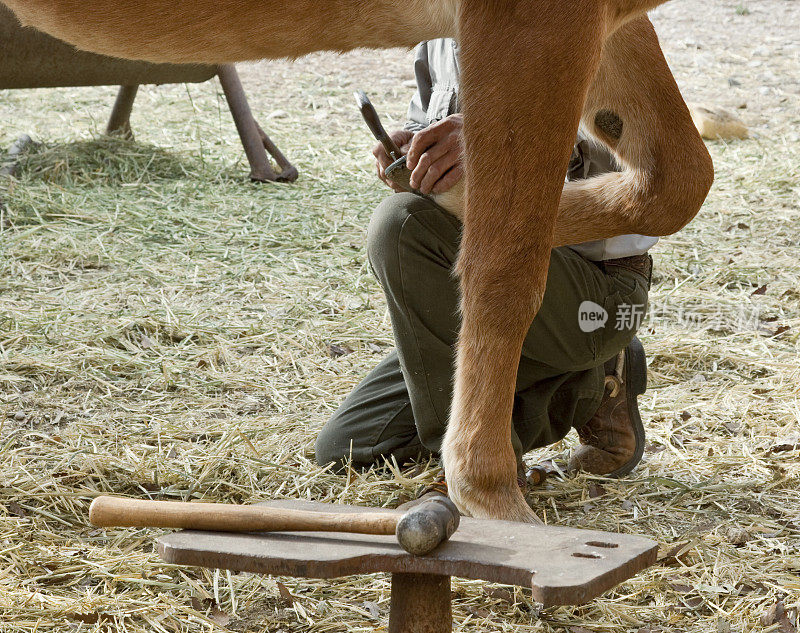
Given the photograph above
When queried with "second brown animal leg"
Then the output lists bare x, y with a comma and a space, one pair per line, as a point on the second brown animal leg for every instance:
522, 100
635, 108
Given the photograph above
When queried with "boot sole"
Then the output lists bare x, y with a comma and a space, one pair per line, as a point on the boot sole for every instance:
636, 385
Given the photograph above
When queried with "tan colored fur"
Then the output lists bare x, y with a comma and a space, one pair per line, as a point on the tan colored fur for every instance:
453, 200
531, 70
215, 31
716, 123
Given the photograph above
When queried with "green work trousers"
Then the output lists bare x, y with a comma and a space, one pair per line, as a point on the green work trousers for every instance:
400, 409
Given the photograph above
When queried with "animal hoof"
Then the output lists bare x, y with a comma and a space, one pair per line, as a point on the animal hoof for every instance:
485, 495
504, 503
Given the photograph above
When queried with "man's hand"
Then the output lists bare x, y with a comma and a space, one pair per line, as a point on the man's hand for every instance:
383, 160
434, 156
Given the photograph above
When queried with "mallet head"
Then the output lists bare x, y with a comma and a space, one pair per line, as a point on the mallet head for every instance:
425, 526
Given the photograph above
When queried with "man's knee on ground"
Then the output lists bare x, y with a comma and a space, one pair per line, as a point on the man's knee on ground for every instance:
330, 449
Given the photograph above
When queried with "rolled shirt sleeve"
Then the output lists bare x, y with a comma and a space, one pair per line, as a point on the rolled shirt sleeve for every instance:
418, 108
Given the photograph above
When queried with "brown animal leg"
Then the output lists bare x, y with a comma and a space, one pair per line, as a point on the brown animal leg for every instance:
522, 100
635, 107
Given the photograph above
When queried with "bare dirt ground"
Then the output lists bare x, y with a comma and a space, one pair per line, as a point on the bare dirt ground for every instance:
168, 329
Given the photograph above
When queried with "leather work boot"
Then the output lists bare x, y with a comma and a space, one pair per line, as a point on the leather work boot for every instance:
612, 442
438, 487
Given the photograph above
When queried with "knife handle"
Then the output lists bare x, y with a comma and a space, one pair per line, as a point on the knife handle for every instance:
373, 122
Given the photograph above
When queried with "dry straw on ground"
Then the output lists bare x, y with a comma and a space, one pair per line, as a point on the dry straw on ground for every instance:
165, 331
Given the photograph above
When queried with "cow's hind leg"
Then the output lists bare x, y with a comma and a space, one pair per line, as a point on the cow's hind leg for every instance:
634, 106
522, 100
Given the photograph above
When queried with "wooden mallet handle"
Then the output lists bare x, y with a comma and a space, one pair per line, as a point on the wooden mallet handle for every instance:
373, 122
107, 511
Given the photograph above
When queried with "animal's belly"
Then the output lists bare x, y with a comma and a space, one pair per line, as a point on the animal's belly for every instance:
216, 31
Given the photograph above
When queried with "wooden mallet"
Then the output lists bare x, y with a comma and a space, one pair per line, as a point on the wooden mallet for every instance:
419, 530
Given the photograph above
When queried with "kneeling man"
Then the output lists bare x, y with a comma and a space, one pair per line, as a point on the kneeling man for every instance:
581, 365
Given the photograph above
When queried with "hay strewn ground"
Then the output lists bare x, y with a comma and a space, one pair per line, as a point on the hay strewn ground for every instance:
165, 330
